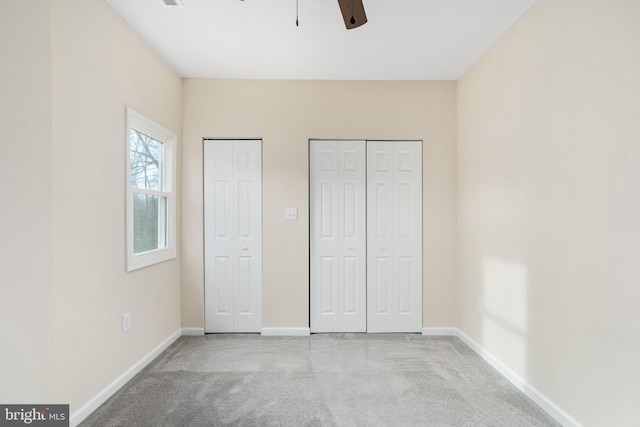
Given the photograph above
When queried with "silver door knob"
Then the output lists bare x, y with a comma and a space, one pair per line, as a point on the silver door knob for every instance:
350, 248
244, 248
383, 249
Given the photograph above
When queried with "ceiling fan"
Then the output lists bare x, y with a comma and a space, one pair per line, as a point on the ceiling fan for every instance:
352, 13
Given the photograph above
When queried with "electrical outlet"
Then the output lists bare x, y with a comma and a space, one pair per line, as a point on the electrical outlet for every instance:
479, 305
126, 322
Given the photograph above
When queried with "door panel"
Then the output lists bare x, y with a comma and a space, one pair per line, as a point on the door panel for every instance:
327, 212
338, 241
244, 285
380, 283
244, 209
350, 280
233, 235
394, 237
408, 246
404, 285
328, 285
222, 286
350, 210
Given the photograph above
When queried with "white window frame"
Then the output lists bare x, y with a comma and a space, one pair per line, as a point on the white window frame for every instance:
143, 124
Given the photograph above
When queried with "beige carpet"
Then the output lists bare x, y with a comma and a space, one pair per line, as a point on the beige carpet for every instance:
321, 380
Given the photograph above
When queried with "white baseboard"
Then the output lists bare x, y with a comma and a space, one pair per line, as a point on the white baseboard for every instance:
285, 332
192, 332
541, 400
83, 412
440, 332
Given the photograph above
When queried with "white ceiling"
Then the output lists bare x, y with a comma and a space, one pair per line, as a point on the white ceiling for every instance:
258, 39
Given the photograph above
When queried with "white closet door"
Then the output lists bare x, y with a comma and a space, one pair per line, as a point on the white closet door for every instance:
338, 236
394, 236
233, 235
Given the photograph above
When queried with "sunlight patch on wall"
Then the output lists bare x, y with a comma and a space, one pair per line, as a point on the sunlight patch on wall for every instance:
505, 312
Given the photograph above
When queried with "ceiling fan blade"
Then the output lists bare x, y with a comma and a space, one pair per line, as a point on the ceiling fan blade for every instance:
352, 13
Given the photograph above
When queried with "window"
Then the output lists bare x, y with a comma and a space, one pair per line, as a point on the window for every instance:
151, 199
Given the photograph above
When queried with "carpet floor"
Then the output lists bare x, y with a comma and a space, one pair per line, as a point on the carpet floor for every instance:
321, 380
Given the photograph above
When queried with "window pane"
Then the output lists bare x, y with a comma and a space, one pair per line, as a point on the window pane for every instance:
149, 222
146, 161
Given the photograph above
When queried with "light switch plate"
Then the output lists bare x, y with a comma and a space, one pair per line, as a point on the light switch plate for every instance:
126, 322
290, 213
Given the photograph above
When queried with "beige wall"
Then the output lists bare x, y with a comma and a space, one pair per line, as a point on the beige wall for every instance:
26, 332
100, 65
285, 114
549, 205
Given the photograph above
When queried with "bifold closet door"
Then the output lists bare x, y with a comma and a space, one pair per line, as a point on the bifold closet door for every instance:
338, 236
233, 235
394, 236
